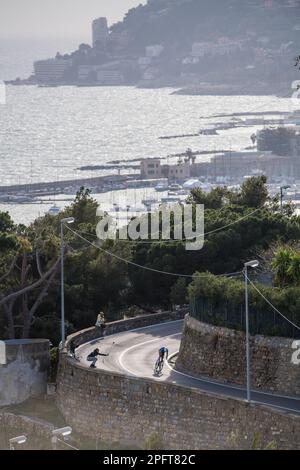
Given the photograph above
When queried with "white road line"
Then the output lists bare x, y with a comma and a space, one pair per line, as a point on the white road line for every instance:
232, 387
151, 326
275, 406
130, 331
203, 380
199, 379
120, 358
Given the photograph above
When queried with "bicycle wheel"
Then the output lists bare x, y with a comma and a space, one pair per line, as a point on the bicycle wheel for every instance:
158, 367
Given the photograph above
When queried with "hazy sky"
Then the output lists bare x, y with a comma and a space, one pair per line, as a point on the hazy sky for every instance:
58, 18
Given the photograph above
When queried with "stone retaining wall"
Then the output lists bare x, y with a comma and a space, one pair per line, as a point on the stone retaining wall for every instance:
90, 334
220, 353
12, 425
124, 409
26, 370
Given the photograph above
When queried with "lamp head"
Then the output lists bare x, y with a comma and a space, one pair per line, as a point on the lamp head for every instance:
68, 220
18, 440
62, 431
252, 264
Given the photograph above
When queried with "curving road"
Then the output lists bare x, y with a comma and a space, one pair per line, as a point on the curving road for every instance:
135, 352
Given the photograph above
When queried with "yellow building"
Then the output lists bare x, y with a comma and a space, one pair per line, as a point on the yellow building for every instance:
152, 168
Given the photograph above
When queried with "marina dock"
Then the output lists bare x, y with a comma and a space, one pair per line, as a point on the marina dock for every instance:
32, 193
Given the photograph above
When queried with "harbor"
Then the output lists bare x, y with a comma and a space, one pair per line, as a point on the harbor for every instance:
37, 192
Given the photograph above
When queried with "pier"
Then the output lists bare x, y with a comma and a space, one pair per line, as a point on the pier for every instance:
32, 193
56, 187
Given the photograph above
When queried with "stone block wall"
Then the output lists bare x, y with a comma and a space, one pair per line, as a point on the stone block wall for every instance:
124, 409
12, 425
220, 353
26, 370
120, 408
94, 332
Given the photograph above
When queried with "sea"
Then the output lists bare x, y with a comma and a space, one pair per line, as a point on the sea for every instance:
48, 134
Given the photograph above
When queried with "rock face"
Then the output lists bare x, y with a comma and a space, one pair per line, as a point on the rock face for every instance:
26, 370
220, 353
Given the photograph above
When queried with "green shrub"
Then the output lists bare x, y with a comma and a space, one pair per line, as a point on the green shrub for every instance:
221, 302
153, 442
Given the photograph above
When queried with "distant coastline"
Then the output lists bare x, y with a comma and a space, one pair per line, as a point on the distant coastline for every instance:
207, 89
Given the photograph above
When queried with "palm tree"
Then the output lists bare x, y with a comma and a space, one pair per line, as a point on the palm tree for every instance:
281, 265
294, 269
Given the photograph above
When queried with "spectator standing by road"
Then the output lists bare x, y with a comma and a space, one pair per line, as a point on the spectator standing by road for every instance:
100, 322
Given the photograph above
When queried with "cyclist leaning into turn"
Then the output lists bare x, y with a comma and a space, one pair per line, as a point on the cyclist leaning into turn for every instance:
162, 353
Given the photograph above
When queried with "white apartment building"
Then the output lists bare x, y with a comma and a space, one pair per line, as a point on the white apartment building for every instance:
51, 70
154, 50
110, 77
144, 62
88, 72
100, 31
151, 73
200, 49
190, 61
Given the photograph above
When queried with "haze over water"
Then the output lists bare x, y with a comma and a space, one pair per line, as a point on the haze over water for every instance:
48, 133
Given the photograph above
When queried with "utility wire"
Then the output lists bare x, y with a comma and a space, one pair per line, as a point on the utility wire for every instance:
178, 274
67, 444
271, 305
197, 236
146, 268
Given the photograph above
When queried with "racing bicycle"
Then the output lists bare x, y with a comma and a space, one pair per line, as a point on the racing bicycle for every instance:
159, 366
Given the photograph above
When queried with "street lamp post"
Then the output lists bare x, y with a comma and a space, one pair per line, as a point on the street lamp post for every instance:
57, 433
249, 264
68, 220
282, 188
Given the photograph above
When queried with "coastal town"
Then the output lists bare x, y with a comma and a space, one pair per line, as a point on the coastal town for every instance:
150, 231
116, 58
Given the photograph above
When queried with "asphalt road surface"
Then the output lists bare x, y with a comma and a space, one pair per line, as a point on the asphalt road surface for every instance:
135, 352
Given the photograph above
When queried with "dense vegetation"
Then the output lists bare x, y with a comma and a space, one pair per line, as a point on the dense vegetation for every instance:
263, 40
279, 141
177, 24
220, 301
238, 226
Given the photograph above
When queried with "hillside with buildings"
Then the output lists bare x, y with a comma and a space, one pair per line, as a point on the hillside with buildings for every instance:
186, 43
